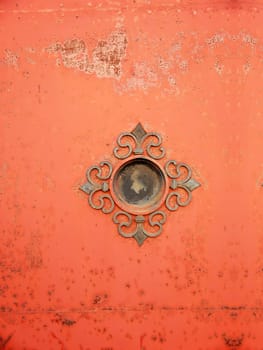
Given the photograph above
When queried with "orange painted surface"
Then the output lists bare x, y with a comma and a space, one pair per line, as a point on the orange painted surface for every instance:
73, 76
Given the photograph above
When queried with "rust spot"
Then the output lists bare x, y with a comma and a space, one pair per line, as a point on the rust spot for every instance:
4, 341
63, 320
141, 292
158, 336
58, 340
98, 299
111, 272
67, 322
233, 342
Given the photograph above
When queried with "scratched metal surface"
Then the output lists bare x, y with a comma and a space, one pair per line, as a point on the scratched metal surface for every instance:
75, 74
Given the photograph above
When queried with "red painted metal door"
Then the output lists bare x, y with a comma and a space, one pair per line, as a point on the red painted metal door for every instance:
73, 76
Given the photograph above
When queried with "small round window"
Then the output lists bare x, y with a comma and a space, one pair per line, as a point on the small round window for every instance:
139, 186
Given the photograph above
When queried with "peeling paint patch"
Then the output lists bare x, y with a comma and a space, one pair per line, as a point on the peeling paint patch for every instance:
105, 60
219, 67
108, 54
172, 81
246, 67
163, 67
249, 39
72, 54
215, 39
11, 59
143, 77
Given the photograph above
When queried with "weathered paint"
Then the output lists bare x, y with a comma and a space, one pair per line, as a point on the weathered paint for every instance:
75, 74
106, 57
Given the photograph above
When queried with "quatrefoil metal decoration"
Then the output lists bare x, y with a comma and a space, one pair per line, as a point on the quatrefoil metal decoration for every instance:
140, 186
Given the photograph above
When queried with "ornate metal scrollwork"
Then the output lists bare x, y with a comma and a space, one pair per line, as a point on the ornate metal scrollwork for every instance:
179, 181
140, 232
137, 187
136, 141
97, 188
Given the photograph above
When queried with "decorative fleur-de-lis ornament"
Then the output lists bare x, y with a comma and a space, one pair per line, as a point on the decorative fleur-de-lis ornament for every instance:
140, 186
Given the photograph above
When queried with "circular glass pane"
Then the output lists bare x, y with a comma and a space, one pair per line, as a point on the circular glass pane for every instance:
139, 184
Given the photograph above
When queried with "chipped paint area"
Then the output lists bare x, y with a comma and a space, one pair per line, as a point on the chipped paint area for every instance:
149, 68
10, 59
108, 54
185, 52
143, 78
105, 60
